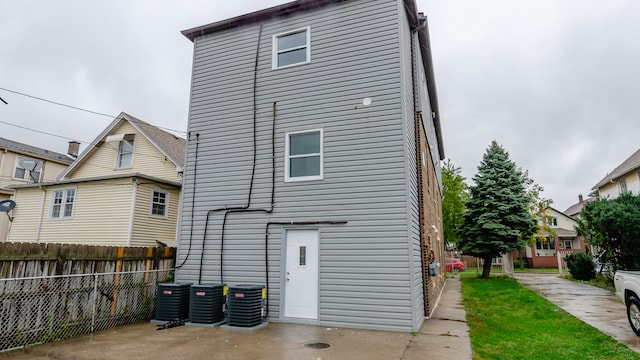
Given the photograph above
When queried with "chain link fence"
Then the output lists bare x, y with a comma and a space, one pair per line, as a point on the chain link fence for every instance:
37, 310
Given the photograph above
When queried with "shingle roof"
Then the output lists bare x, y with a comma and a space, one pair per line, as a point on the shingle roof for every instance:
632, 163
172, 146
34, 151
577, 207
560, 232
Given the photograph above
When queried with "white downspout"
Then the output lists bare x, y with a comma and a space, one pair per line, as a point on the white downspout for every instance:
41, 214
133, 209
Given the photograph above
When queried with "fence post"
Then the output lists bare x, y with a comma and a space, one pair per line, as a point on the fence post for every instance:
116, 285
95, 300
147, 270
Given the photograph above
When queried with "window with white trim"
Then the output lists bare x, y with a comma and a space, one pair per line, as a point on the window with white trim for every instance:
622, 186
292, 48
159, 201
568, 244
27, 172
547, 244
62, 203
125, 152
303, 156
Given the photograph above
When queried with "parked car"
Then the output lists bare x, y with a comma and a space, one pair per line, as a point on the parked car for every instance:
453, 265
627, 285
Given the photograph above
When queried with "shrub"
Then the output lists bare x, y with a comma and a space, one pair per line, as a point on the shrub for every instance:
580, 266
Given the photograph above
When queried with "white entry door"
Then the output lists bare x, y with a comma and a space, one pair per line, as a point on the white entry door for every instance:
301, 274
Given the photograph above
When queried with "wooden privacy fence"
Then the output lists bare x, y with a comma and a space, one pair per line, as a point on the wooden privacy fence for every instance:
31, 260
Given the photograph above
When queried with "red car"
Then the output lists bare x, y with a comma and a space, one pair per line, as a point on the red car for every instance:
453, 265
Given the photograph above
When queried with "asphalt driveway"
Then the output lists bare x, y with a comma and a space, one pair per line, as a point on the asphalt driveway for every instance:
597, 307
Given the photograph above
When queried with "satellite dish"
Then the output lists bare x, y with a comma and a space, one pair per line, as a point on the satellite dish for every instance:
31, 165
7, 205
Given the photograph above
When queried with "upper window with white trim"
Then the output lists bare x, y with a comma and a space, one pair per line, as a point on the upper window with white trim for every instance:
27, 169
125, 152
62, 203
292, 48
159, 201
304, 158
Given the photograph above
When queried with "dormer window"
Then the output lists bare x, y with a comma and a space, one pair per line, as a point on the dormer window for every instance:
125, 152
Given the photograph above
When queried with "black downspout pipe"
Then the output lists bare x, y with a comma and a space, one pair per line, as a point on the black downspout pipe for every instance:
253, 165
193, 200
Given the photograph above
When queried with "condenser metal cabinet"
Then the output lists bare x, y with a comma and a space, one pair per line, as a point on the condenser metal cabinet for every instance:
244, 305
206, 303
172, 302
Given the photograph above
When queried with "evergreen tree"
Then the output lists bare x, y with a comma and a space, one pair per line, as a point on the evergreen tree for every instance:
497, 217
454, 195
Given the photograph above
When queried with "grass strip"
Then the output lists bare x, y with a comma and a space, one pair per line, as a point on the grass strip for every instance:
509, 321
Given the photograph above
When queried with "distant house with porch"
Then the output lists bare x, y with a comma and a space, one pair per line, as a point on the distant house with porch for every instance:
549, 253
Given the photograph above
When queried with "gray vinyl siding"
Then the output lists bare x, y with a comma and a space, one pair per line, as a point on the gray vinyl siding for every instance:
366, 279
413, 203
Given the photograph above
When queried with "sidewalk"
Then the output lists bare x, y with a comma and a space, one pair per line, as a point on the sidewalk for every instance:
597, 307
444, 336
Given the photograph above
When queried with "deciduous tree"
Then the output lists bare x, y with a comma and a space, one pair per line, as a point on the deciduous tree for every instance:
454, 190
612, 226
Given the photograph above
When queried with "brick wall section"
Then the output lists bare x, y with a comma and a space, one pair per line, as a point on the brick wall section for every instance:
432, 239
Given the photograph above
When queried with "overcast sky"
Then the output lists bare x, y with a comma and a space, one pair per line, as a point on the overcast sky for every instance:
557, 83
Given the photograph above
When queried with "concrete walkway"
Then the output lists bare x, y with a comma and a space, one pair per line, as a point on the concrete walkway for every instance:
444, 336
597, 307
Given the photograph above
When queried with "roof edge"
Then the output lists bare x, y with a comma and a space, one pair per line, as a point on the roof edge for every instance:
257, 16
97, 178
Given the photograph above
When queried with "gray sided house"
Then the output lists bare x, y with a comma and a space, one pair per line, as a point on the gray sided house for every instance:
304, 173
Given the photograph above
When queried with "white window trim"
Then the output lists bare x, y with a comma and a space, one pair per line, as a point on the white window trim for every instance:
64, 197
166, 204
27, 176
287, 177
274, 48
133, 139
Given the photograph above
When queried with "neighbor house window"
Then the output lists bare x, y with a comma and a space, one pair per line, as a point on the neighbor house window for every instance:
62, 203
27, 169
125, 152
568, 244
304, 156
623, 186
159, 202
554, 221
549, 244
292, 48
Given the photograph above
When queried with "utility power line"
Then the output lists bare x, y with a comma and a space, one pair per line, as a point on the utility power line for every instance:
71, 107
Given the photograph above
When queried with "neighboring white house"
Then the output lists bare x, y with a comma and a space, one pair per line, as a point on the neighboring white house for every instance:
24, 164
123, 190
624, 178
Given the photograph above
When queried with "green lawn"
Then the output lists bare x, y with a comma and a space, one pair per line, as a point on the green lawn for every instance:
509, 321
